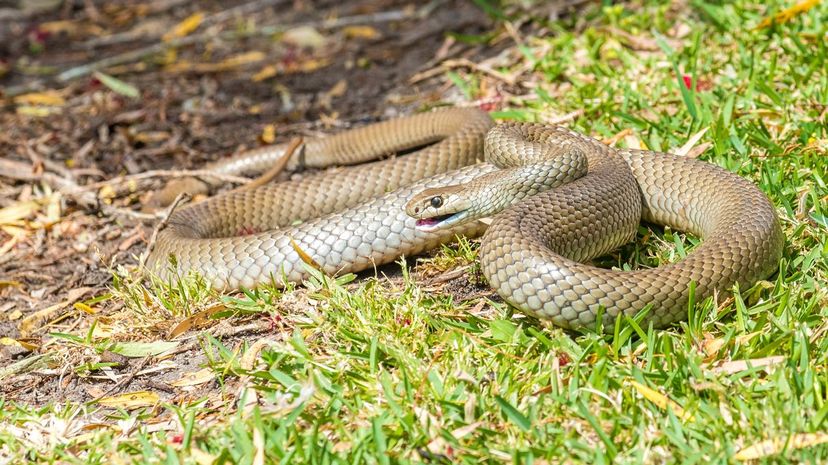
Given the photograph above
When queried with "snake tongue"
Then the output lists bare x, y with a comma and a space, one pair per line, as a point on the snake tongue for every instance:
426, 223
430, 224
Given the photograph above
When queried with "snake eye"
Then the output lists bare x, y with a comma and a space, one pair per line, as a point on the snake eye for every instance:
437, 202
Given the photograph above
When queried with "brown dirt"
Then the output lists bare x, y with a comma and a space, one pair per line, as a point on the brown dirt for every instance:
183, 118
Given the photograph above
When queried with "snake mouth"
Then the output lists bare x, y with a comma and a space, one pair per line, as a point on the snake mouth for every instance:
438, 222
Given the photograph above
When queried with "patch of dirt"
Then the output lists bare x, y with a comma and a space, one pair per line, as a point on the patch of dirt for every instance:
210, 98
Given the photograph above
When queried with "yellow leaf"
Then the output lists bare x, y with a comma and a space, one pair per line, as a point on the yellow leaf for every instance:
18, 211
267, 72
131, 400
149, 137
736, 366
361, 32
195, 378
304, 256
107, 192
51, 97
38, 112
196, 320
786, 15
7, 341
243, 59
663, 402
774, 446
269, 134
84, 308
190, 24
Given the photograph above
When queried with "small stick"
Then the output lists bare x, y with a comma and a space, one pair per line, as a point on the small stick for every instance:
168, 174
275, 170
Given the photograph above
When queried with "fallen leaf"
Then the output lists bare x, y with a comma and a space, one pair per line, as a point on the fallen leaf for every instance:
184, 28
142, 349
196, 320
195, 378
691, 142
267, 72
118, 86
131, 400
361, 32
269, 134
36, 320
770, 447
304, 256
736, 366
36, 111
304, 36
9, 342
788, 13
50, 97
663, 402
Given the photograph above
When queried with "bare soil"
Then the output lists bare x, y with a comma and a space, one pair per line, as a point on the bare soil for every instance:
185, 116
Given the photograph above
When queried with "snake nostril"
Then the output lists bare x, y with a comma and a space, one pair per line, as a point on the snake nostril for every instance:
416, 209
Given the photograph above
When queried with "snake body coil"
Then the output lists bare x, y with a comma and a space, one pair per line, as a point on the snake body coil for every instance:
355, 218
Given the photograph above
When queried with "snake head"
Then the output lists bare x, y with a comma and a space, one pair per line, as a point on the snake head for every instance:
438, 208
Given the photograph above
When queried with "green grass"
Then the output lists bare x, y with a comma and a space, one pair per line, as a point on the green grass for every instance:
386, 371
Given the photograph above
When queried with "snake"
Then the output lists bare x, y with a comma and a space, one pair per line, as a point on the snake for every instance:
555, 200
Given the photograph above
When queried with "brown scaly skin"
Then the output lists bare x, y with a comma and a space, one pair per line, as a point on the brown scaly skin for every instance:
555, 217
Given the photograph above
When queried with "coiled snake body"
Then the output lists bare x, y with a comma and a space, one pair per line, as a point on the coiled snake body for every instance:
567, 199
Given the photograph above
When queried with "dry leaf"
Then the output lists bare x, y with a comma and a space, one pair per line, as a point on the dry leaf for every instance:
131, 400
190, 24
789, 13
196, 320
304, 36
50, 97
688, 146
269, 134
361, 32
267, 72
736, 366
774, 446
34, 321
661, 401
304, 256
195, 378
9, 342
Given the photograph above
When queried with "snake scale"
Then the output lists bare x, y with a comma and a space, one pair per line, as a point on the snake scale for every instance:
565, 199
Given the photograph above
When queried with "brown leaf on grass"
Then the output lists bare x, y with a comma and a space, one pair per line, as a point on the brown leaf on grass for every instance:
265, 73
9, 342
131, 400
774, 446
789, 13
196, 321
361, 32
688, 146
736, 366
35, 321
304, 255
663, 402
49, 97
195, 378
186, 27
